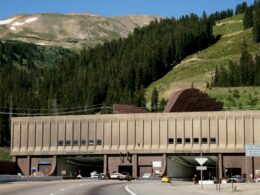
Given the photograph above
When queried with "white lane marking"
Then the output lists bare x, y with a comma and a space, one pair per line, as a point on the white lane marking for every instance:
61, 189
51, 194
129, 191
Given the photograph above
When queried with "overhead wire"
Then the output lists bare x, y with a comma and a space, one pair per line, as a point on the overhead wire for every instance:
54, 113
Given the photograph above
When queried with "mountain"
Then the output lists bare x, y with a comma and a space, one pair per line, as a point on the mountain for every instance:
70, 30
197, 69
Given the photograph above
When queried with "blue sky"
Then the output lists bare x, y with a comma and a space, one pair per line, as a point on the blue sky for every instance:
166, 8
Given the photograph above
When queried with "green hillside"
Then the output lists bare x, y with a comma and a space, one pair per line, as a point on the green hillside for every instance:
197, 69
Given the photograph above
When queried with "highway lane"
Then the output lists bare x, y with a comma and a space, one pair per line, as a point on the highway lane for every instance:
92, 187
65, 187
155, 188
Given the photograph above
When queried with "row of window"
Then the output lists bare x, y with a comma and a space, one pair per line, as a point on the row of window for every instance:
82, 142
195, 140
170, 141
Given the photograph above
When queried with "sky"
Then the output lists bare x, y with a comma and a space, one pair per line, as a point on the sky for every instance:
165, 8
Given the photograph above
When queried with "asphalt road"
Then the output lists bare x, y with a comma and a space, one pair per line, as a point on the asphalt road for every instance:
91, 187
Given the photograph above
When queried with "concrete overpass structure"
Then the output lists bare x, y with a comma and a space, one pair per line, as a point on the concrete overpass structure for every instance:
164, 143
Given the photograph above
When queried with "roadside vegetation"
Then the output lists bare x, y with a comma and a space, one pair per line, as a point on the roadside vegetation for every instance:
4, 154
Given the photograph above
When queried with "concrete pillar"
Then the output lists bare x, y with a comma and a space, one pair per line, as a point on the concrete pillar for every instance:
14, 159
220, 166
135, 165
164, 165
30, 167
105, 164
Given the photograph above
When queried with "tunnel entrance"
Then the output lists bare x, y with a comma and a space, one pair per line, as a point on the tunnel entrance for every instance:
233, 171
126, 169
84, 165
183, 166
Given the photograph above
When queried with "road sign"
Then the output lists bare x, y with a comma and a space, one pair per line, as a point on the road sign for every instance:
253, 150
201, 160
201, 168
157, 164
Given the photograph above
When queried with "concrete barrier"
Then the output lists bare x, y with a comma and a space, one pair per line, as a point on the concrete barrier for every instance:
206, 182
15, 178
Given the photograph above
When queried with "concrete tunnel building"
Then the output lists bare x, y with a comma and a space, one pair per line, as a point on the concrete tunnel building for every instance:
156, 143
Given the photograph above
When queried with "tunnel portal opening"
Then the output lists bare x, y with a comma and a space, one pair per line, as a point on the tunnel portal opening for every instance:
83, 165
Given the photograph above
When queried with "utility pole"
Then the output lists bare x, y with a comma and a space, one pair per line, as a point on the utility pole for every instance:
201, 174
10, 113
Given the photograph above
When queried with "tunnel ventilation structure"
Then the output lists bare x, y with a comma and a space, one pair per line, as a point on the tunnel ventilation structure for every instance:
192, 100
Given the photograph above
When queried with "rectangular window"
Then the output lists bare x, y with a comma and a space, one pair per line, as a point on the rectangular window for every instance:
204, 140
99, 142
179, 140
91, 142
75, 143
60, 143
170, 141
83, 142
68, 143
187, 140
213, 140
195, 140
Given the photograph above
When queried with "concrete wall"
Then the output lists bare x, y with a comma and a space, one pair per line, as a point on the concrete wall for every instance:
178, 170
66, 169
253, 164
223, 132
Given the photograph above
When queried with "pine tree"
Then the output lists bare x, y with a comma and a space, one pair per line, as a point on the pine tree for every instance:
257, 4
257, 67
162, 104
154, 100
248, 18
241, 8
245, 64
256, 26
216, 77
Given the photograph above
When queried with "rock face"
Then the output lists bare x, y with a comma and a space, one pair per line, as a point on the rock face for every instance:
70, 30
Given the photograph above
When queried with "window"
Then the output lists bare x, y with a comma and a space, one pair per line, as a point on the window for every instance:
99, 142
213, 140
195, 140
68, 143
60, 143
91, 142
75, 143
187, 140
170, 141
83, 142
179, 140
204, 140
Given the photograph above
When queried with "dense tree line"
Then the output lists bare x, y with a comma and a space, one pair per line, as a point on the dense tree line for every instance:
252, 19
22, 80
245, 73
219, 15
118, 71
241, 8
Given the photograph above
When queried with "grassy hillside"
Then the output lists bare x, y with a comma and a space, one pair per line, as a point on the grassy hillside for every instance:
197, 69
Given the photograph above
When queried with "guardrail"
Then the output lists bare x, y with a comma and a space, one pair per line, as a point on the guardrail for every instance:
15, 178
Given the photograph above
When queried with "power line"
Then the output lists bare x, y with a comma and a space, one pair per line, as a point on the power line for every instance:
53, 113
52, 108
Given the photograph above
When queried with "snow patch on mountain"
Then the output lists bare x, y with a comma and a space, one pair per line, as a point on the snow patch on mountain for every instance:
7, 21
